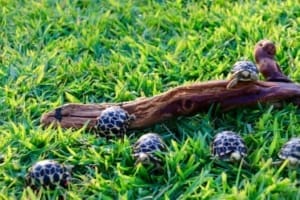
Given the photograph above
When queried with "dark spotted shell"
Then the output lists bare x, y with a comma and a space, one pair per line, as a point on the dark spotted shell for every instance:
227, 142
290, 149
47, 173
244, 66
150, 144
113, 121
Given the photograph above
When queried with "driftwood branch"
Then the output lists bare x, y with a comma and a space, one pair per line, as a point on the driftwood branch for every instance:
180, 101
190, 99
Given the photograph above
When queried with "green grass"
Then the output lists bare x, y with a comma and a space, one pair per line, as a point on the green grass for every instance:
56, 52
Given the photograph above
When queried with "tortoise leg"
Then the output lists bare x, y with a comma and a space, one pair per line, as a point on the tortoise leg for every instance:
232, 83
277, 163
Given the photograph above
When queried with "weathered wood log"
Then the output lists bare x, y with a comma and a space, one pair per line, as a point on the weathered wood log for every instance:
180, 101
190, 99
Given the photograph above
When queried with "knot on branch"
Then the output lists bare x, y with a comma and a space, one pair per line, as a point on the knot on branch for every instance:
264, 53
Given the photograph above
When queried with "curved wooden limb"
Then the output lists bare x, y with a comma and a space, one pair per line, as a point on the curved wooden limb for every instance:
264, 55
181, 101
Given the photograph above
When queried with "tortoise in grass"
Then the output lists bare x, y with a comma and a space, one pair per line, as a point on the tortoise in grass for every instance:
291, 152
48, 174
148, 148
113, 121
229, 146
242, 71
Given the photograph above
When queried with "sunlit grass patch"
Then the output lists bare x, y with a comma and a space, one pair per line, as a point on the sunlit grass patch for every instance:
56, 52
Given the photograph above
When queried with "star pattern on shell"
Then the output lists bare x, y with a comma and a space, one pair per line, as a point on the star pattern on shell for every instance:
242, 71
48, 173
113, 121
291, 151
148, 148
227, 145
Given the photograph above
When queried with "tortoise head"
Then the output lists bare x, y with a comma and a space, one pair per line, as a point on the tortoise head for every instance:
143, 158
293, 161
235, 156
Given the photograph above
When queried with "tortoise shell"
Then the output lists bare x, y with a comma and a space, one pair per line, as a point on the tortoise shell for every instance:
291, 151
148, 148
242, 66
243, 71
227, 145
113, 121
48, 173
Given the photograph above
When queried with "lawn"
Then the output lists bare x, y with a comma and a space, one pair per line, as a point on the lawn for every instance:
57, 52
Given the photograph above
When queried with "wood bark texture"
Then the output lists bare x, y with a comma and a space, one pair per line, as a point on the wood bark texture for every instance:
188, 100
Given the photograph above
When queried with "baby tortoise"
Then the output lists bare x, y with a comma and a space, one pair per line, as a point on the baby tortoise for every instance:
242, 71
48, 174
148, 148
113, 121
291, 152
228, 146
